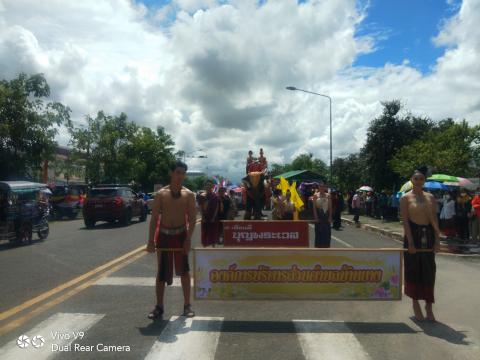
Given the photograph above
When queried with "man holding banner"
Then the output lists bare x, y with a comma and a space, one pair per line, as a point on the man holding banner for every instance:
170, 236
422, 239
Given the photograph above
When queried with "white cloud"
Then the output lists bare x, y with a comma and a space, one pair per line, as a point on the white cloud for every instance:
214, 74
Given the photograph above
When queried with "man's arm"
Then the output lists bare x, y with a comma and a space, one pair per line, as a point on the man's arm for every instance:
433, 218
156, 212
192, 221
406, 225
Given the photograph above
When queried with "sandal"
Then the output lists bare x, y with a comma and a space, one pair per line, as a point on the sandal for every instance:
156, 313
187, 311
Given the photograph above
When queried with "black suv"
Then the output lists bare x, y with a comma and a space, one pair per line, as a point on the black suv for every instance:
111, 203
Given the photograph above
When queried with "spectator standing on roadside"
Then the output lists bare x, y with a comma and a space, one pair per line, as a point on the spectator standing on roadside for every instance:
350, 196
382, 205
369, 204
356, 206
462, 210
447, 216
337, 208
475, 216
394, 205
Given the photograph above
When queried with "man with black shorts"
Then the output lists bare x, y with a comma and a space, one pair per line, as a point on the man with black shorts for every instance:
171, 228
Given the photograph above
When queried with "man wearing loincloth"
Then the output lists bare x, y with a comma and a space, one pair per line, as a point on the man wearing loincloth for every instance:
422, 239
171, 227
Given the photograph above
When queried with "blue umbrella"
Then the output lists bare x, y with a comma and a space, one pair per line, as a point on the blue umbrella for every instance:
435, 185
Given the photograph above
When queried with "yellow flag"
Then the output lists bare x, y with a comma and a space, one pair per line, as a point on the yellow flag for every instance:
284, 186
296, 199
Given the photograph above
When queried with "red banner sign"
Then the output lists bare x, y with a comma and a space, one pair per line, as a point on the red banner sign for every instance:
265, 233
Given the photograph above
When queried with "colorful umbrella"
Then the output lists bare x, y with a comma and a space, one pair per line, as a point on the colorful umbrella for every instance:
443, 178
406, 187
465, 183
462, 182
435, 185
365, 188
429, 185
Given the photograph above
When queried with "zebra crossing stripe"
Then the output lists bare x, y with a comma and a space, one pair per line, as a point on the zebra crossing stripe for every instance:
183, 339
134, 281
58, 330
328, 340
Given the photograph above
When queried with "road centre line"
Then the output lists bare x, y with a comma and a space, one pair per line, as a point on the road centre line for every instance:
6, 314
342, 242
40, 309
44, 296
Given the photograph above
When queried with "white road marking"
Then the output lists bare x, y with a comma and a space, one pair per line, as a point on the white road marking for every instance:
182, 341
342, 242
134, 281
328, 340
58, 330
337, 239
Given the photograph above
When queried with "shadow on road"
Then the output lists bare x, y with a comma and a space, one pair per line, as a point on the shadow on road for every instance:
303, 326
13, 245
155, 328
109, 225
443, 331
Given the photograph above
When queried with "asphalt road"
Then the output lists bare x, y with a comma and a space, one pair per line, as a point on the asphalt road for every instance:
58, 289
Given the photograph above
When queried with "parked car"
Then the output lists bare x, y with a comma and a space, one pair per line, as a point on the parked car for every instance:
111, 203
67, 200
23, 211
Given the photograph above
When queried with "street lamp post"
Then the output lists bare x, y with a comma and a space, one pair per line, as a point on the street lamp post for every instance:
293, 88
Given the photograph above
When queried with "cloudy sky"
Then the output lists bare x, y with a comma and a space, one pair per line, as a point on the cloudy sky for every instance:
214, 73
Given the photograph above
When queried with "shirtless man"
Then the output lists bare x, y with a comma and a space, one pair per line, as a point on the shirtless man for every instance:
263, 161
419, 214
173, 206
250, 160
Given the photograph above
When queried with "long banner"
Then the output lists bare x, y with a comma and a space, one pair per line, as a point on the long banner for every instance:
265, 233
298, 274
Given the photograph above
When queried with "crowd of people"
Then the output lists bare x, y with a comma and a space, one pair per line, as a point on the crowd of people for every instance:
382, 205
458, 211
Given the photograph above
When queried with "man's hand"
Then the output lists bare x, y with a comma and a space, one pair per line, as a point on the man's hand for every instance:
436, 247
186, 246
412, 249
150, 247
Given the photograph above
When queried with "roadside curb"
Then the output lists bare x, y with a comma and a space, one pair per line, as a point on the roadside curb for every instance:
398, 237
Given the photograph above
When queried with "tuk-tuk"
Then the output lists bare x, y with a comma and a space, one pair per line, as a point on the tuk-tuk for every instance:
24, 210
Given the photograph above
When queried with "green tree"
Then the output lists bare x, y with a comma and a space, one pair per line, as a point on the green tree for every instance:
450, 148
349, 173
151, 156
277, 169
386, 135
301, 162
308, 162
27, 126
195, 183
116, 150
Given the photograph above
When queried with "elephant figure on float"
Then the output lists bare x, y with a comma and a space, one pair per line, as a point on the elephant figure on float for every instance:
255, 194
